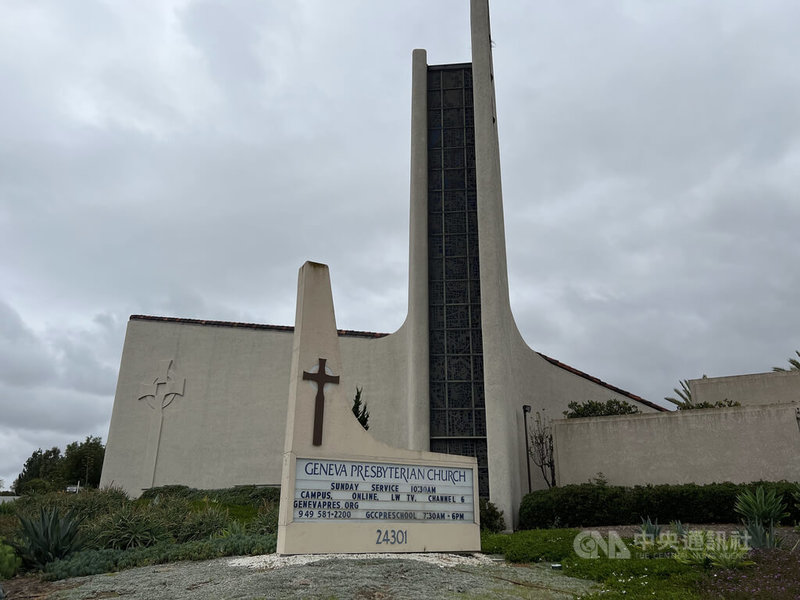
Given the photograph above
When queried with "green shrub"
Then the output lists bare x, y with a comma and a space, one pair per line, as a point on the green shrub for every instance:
85, 562
48, 537
92, 562
131, 526
171, 511
596, 408
38, 486
491, 518
542, 544
9, 527
203, 524
8, 508
233, 528
240, 495
596, 504
168, 491
9, 561
266, 521
576, 505
87, 504
90, 503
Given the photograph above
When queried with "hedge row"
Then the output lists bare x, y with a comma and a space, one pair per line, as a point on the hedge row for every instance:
243, 494
591, 504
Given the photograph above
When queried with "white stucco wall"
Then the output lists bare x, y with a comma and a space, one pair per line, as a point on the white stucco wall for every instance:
740, 444
748, 390
228, 428
380, 367
228, 418
548, 389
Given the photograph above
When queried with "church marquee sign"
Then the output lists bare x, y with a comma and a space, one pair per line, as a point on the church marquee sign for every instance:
356, 491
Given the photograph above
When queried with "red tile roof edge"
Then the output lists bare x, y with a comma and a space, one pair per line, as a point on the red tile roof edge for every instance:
287, 328
613, 388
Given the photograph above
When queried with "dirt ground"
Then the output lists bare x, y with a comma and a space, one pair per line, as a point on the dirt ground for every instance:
32, 588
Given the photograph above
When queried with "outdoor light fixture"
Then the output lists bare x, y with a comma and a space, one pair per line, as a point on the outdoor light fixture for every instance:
526, 408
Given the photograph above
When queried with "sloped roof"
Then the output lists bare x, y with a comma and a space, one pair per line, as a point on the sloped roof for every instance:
287, 328
593, 379
375, 335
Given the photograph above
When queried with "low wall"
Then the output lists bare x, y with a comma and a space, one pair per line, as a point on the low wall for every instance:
748, 390
740, 444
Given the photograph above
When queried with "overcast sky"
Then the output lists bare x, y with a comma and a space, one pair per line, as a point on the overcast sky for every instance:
184, 158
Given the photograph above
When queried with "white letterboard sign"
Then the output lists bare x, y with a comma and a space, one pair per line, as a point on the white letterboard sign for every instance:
339, 490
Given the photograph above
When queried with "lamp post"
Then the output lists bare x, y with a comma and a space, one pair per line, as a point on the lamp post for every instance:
526, 408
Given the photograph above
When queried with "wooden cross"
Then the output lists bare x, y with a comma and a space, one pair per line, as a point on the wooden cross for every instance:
320, 378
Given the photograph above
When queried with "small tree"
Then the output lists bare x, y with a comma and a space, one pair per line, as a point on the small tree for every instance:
43, 466
685, 395
595, 408
83, 461
686, 403
795, 364
361, 412
541, 449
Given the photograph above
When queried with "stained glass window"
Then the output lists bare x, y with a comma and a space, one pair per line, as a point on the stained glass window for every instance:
458, 417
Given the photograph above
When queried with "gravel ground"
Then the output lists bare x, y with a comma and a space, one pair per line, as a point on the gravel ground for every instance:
378, 577
364, 576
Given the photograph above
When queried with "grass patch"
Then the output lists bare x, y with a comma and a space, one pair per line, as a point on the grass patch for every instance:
775, 575
540, 544
243, 514
494, 543
662, 578
530, 546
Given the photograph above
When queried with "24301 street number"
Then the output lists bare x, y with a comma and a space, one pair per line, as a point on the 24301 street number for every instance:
392, 536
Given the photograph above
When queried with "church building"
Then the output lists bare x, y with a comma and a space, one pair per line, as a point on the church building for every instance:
203, 403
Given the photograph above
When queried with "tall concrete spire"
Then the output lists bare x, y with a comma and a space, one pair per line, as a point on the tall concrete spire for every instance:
501, 338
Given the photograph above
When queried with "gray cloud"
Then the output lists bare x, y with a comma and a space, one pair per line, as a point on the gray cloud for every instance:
24, 359
185, 158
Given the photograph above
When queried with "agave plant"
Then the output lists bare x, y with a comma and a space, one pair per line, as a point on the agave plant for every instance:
650, 529
129, 527
730, 553
761, 505
707, 549
47, 537
678, 529
759, 535
761, 510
